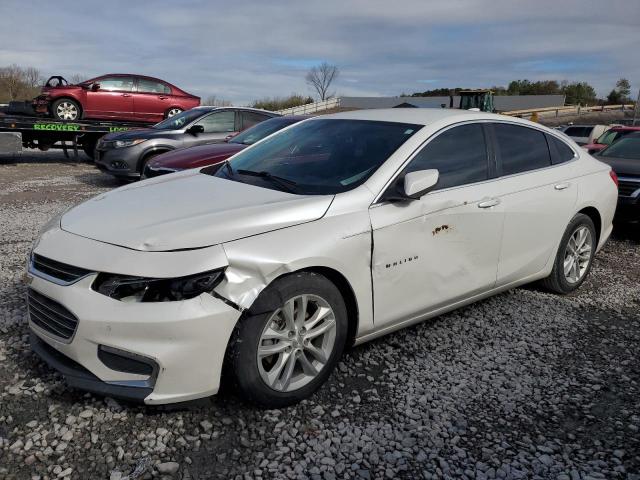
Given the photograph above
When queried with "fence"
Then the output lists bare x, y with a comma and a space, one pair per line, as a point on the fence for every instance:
566, 111
312, 107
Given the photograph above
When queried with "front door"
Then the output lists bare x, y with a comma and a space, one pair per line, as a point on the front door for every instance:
217, 126
443, 248
112, 99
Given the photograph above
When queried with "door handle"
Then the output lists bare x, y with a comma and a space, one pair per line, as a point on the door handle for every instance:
562, 186
162, 97
126, 95
491, 202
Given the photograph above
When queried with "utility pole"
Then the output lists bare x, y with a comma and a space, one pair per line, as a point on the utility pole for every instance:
635, 110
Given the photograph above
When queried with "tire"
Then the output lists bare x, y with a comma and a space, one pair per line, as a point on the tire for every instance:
560, 282
172, 111
66, 109
251, 371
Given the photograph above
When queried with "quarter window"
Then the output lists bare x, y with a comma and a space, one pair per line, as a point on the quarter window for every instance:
560, 151
521, 148
221, 122
459, 154
116, 84
151, 86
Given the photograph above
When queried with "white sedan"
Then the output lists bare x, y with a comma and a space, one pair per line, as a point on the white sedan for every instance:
331, 232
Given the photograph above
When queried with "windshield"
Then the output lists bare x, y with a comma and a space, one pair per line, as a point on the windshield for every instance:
180, 120
318, 157
608, 137
627, 147
261, 130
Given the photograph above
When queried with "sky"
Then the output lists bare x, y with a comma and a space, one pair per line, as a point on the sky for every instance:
246, 50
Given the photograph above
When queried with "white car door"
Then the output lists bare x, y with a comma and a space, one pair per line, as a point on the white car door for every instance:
444, 247
538, 196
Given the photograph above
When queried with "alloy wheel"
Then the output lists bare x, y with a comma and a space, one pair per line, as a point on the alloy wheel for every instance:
296, 343
577, 255
67, 111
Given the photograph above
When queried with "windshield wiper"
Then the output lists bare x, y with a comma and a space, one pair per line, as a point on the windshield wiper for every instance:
283, 182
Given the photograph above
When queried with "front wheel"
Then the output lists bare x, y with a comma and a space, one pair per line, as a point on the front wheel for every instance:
575, 256
282, 355
66, 109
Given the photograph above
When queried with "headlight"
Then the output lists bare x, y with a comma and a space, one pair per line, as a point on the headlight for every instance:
128, 143
140, 289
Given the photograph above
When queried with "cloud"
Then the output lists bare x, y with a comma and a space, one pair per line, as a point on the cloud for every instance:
254, 49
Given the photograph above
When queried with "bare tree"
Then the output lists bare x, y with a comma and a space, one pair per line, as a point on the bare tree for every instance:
17, 83
77, 78
321, 77
214, 101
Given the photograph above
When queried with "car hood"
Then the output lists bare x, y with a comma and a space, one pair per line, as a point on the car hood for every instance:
188, 210
199, 156
622, 166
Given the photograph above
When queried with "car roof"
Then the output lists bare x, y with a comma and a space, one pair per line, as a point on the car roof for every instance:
422, 116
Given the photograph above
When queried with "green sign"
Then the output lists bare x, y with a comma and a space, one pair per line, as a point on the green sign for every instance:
57, 127
118, 129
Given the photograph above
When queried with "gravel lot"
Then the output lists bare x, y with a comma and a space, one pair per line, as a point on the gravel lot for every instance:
523, 385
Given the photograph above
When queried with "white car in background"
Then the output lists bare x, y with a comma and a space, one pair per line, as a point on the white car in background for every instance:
584, 134
333, 231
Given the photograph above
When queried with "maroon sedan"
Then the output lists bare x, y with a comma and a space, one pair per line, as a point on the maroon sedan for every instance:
607, 138
204, 155
115, 97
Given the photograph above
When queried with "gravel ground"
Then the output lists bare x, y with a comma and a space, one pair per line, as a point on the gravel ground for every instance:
523, 385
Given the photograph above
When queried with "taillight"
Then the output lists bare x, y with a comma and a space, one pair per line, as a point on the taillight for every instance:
614, 177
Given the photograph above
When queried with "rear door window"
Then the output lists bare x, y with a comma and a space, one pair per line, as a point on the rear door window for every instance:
520, 149
151, 86
249, 119
459, 154
578, 131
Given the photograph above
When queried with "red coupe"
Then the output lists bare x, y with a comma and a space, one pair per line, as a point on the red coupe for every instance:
115, 97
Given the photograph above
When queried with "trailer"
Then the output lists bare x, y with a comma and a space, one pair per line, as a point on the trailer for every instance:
25, 131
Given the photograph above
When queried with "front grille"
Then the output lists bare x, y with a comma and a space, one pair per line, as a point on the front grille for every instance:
58, 270
50, 316
626, 188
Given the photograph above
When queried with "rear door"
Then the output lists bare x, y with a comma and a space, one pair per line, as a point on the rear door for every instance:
151, 100
217, 126
113, 98
444, 247
538, 196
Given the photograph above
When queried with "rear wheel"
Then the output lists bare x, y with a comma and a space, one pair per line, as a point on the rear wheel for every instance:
173, 111
282, 355
66, 109
575, 256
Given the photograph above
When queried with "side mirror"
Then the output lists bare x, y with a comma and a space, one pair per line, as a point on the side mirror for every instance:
95, 87
417, 184
230, 136
195, 129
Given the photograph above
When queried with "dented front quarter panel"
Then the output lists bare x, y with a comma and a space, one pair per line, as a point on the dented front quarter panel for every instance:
340, 241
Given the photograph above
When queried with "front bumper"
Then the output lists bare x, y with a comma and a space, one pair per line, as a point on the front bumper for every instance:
119, 162
184, 341
41, 104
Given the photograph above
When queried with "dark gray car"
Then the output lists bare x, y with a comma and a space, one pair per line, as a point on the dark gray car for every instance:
124, 154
